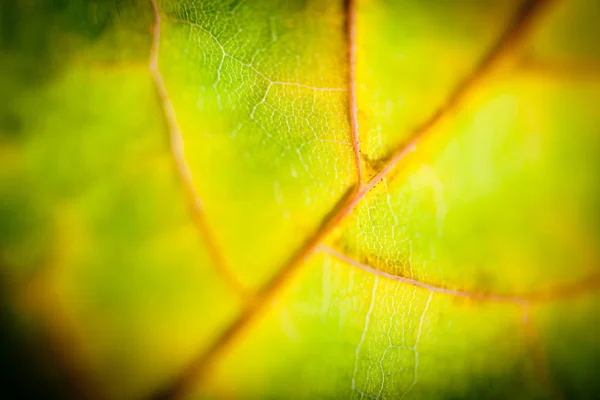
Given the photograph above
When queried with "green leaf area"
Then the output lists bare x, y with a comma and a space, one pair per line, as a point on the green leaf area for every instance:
299, 199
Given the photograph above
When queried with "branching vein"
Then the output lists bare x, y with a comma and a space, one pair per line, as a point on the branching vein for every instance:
183, 171
514, 35
250, 65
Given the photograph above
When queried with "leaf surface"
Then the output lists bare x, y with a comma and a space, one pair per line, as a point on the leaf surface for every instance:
304, 199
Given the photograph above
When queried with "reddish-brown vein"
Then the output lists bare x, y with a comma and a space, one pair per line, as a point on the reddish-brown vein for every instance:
540, 363
510, 39
423, 285
576, 289
579, 288
580, 70
198, 367
352, 106
183, 170
567, 291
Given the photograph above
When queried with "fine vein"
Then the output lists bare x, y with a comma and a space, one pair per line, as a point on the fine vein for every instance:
364, 335
524, 301
416, 346
183, 171
515, 33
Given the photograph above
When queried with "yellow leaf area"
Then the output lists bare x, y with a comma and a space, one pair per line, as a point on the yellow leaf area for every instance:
300, 199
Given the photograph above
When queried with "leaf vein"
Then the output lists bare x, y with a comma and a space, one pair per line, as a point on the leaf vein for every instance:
513, 36
183, 170
563, 291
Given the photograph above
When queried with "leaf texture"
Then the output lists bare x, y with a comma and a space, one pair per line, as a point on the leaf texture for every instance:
302, 199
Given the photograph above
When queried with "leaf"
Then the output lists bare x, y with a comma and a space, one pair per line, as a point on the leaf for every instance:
307, 199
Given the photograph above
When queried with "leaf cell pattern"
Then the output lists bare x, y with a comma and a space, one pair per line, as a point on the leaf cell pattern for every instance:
306, 192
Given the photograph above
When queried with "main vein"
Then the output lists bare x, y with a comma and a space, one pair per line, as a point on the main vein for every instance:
183, 170
508, 44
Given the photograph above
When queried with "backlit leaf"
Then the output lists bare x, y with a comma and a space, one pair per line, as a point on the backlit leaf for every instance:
299, 199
